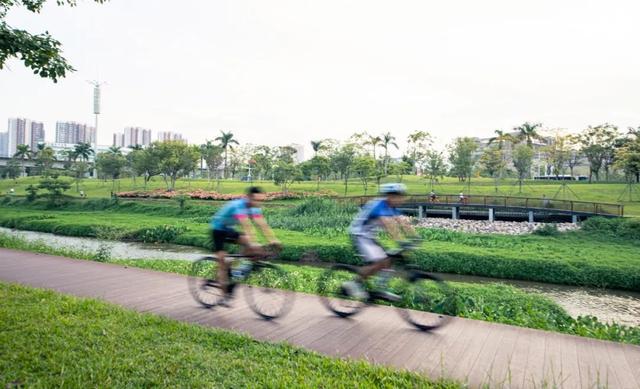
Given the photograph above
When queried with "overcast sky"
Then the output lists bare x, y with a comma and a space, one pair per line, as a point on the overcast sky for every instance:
276, 72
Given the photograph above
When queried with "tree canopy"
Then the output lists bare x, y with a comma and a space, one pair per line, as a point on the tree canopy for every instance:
39, 52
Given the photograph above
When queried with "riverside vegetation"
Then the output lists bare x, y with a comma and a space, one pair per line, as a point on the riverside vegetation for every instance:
494, 302
605, 253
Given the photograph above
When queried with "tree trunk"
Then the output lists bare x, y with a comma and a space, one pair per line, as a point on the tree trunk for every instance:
318, 184
226, 167
346, 184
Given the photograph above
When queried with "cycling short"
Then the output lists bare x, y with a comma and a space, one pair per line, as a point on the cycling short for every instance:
369, 249
221, 237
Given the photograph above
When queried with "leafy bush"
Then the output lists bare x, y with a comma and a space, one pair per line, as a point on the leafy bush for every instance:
182, 202
56, 189
317, 216
620, 227
32, 193
160, 234
547, 230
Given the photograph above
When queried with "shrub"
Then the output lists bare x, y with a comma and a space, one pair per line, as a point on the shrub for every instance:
547, 230
56, 189
160, 234
317, 216
32, 193
182, 202
621, 227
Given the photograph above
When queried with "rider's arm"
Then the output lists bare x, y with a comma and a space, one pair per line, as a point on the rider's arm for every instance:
265, 229
247, 229
392, 227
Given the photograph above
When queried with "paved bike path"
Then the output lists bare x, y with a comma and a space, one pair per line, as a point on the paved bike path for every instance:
470, 351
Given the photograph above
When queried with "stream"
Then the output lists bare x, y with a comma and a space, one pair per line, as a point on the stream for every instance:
607, 305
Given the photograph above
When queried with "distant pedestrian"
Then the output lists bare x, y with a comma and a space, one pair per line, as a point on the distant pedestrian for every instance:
545, 201
12, 192
82, 194
461, 198
432, 197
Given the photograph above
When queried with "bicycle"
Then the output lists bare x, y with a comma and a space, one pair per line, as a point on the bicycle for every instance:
423, 296
261, 279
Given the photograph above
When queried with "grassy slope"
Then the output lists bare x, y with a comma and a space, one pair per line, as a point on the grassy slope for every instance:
598, 192
52, 340
491, 302
573, 258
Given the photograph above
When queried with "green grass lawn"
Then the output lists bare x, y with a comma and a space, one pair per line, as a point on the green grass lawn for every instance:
52, 340
578, 258
597, 192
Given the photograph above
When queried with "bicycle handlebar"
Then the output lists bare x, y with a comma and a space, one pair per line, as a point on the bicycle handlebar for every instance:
404, 247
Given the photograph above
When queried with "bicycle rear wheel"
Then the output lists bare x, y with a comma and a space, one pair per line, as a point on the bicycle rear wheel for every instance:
266, 291
202, 285
333, 294
425, 300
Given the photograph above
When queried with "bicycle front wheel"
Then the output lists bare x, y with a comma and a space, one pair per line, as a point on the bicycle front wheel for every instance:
266, 291
425, 300
202, 285
334, 294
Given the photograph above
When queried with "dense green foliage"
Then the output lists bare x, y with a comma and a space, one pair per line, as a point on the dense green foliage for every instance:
576, 258
316, 216
120, 348
620, 228
493, 302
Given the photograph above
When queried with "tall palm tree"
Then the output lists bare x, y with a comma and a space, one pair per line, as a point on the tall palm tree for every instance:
226, 142
83, 150
387, 140
116, 150
23, 152
528, 132
316, 145
501, 137
374, 141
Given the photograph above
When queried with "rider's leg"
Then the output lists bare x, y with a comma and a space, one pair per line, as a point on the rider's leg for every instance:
220, 239
368, 271
373, 254
223, 268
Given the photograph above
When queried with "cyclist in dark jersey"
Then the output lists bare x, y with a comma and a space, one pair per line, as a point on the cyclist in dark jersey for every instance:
224, 229
379, 214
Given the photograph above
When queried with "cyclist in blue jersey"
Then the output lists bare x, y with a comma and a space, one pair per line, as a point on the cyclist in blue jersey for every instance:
378, 214
240, 212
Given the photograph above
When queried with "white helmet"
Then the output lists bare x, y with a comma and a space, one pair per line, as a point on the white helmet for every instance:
393, 188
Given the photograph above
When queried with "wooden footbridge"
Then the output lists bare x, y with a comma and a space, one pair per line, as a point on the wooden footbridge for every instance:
502, 207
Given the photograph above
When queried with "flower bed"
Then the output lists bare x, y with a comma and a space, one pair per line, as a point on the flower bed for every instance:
200, 194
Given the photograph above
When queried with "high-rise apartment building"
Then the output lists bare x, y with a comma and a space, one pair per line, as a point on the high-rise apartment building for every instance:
23, 132
118, 139
4, 144
166, 136
132, 136
299, 156
73, 133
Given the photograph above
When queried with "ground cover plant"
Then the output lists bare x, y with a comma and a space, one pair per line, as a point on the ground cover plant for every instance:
52, 340
589, 257
492, 302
